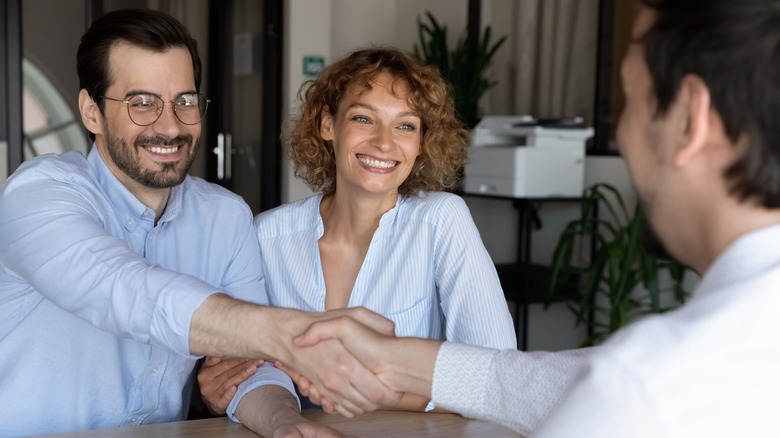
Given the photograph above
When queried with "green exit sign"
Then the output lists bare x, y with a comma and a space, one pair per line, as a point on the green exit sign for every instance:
313, 65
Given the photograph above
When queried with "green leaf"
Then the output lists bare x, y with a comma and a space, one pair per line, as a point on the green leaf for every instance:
620, 272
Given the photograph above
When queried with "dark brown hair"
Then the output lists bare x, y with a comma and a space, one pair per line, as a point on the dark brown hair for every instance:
734, 47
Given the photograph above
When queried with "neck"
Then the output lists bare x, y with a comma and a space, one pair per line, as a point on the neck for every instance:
353, 217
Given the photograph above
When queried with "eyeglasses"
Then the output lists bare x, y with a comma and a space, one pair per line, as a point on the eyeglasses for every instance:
145, 109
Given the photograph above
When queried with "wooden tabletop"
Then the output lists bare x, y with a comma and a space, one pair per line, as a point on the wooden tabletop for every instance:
383, 424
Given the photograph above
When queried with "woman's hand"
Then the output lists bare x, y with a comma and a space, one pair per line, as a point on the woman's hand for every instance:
219, 379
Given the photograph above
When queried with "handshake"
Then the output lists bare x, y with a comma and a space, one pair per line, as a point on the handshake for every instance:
347, 360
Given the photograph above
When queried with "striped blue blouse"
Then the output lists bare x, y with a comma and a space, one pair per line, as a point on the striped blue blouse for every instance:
426, 269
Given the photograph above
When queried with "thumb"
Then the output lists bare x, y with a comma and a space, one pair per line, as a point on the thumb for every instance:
320, 331
373, 320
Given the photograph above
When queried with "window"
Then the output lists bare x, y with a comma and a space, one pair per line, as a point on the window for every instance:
50, 125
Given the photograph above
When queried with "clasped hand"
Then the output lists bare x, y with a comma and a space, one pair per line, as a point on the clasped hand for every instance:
366, 342
333, 357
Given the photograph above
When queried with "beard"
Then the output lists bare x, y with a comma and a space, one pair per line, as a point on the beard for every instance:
172, 174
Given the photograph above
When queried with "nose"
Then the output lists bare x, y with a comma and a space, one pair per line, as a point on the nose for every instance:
167, 124
383, 138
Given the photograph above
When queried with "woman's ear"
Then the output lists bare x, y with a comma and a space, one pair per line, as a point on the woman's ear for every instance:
90, 113
326, 124
694, 97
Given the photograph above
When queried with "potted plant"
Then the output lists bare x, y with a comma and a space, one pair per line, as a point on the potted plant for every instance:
615, 277
466, 74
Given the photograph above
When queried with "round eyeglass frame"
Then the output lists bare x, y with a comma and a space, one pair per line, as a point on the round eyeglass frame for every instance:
126, 101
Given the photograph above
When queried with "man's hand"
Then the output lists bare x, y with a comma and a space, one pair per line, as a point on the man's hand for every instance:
219, 379
403, 364
223, 326
345, 384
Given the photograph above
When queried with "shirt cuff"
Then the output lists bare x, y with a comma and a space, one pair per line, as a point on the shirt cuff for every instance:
267, 374
460, 376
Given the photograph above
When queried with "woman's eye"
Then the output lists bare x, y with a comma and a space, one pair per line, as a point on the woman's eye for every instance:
408, 127
361, 119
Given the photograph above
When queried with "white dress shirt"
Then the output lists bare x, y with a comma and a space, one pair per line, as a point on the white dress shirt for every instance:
707, 369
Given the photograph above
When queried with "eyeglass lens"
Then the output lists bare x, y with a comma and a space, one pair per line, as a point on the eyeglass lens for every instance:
145, 109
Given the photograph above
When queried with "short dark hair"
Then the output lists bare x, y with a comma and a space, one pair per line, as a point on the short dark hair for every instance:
145, 28
734, 47
444, 140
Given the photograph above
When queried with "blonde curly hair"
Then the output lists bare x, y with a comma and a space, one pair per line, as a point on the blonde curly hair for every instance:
444, 139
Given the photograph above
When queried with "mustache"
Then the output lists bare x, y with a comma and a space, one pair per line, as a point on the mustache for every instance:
159, 140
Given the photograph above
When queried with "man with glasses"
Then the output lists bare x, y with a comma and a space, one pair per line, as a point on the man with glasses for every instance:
118, 270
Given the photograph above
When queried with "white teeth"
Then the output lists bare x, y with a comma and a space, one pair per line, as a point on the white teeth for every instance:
377, 163
162, 150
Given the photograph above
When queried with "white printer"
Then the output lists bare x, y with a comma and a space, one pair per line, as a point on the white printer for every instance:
525, 157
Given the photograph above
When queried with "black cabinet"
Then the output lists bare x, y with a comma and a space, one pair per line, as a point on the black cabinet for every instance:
525, 283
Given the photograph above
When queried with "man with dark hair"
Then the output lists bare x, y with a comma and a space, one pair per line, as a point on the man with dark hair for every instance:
117, 270
699, 134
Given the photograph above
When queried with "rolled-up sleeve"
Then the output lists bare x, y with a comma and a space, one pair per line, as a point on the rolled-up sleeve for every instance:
267, 374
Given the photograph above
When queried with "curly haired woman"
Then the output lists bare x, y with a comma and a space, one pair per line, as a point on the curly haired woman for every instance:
378, 141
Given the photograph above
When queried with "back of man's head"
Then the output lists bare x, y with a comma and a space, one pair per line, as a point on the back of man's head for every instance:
734, 46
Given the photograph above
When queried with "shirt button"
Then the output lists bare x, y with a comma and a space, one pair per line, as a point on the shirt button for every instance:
154, 370
134, 419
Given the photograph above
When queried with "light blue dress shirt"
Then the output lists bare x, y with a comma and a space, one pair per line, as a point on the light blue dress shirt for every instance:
96, 300
426, 269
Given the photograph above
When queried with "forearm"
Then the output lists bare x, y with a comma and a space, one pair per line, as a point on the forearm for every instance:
268, 408
223, 326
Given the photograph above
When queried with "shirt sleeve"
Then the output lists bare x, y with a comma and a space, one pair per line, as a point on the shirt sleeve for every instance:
267, 374
513, 388
53, 238
472, 299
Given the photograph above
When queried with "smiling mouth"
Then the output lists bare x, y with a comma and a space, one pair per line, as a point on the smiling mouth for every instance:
379, 164
163, 150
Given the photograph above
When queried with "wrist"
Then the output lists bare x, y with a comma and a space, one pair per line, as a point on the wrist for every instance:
410, 365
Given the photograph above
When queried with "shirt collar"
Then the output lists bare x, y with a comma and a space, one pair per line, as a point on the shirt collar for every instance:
746, 257
387, 218
126, 205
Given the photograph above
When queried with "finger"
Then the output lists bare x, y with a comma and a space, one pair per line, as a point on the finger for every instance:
227, 397
305, 388
239, 374
327, 405
343, 412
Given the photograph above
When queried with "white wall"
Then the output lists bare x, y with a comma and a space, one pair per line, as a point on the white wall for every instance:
307, 33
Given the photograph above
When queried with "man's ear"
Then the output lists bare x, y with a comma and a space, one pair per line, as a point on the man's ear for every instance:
326, 124
694, 99
91, 116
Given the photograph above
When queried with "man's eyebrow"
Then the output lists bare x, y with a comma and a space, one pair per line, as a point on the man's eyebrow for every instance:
141, 91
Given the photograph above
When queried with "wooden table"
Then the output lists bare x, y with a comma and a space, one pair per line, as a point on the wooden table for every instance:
385, 424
